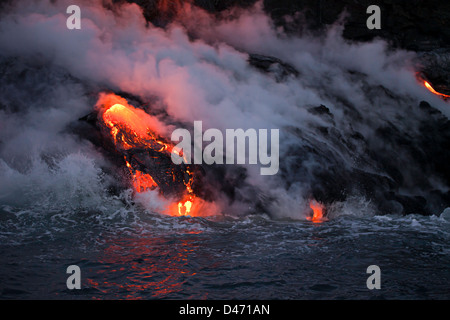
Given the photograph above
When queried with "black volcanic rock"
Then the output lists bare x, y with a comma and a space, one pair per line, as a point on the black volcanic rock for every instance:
275, 66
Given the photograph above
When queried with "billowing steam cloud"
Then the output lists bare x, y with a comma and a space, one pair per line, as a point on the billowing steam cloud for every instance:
342, 116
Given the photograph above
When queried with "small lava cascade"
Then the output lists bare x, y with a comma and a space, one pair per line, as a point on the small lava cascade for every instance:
147, 156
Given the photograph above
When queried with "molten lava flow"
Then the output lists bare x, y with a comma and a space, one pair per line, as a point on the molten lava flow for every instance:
318, 211
141, 181
184, 208
131, 128
429, 87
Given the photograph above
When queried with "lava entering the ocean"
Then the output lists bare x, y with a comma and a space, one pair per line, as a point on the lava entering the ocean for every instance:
318, 212
134, 134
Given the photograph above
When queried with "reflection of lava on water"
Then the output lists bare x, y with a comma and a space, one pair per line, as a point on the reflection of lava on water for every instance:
147, 156
157, 280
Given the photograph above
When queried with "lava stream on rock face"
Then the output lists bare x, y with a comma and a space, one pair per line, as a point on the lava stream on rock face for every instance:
431, 89
147, 156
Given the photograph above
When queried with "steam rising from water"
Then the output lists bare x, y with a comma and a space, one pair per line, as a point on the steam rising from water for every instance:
197, 69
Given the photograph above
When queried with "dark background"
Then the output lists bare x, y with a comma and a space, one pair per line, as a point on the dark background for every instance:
414, 25
410, 24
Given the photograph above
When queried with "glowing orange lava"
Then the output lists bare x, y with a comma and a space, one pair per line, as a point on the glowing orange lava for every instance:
130, 128
184, 208
318, 212
429, 87
141, 181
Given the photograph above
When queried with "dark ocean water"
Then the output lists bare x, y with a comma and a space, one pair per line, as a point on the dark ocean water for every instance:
131, 254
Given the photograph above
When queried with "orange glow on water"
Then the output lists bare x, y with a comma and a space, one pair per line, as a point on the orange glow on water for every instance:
142, 267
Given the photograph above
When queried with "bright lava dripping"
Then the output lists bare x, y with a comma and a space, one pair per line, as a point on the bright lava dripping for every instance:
131, 127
